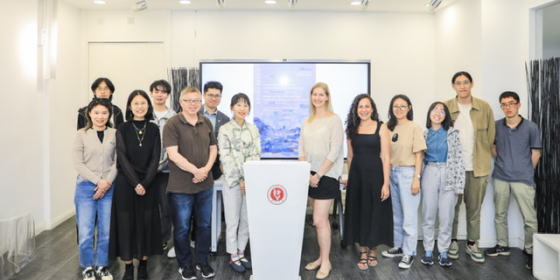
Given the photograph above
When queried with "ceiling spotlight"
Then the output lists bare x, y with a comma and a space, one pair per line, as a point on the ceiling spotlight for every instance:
220, 3
270, 2
292, 3
184, 2
99, 2
140, 6
364, 3
355, 3
433, 4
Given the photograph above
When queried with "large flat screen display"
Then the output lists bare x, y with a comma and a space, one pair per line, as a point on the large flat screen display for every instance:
279, 92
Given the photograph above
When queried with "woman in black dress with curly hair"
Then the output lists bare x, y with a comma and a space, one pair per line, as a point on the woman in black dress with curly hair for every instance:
369, 215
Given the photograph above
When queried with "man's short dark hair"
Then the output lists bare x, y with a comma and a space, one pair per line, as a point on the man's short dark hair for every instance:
507, 94
213, 84
163, 83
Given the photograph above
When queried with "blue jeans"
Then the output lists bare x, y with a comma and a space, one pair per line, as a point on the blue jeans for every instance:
181, 208
86, 210
405, 209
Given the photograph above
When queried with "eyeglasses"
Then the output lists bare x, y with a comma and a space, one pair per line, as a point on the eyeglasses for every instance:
466, 83
507, 105
435, 111
213, 95
161, 90
400, 108
194, 101
103, 89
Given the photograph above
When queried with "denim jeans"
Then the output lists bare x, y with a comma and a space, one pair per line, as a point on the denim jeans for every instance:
86, 210
182, 206
405, 209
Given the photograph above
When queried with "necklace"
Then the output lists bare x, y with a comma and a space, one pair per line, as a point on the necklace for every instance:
139, 131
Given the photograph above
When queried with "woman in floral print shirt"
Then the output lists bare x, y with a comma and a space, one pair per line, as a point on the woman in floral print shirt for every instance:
239, 142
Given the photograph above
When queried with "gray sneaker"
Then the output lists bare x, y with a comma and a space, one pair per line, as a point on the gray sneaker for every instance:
453, 250
475, 253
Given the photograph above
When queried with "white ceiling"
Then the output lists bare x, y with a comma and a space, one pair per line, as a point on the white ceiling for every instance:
401, 6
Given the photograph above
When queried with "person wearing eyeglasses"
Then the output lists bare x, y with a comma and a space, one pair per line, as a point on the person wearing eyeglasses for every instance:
160, 91
102, 88
407, 146
443, 179
517, 150
190, 142
213, 98
474, 118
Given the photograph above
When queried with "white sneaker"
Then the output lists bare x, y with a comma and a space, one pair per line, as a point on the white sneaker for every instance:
193, 244
171, 253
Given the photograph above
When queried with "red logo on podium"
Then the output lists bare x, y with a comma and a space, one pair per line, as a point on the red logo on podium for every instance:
277, 194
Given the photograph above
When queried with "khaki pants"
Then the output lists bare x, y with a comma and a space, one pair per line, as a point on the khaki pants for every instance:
525, 197
475, 189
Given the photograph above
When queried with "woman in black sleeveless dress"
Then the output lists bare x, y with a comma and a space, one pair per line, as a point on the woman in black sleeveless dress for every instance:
369, 215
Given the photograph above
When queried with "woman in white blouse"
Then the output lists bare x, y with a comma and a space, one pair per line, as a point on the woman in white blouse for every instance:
320, 144
239, 142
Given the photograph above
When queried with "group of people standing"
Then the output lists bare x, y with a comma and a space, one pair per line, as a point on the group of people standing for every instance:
156, 168
395, 166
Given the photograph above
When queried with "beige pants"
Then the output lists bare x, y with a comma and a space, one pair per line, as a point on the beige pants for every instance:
525, 197
475, 190
237, 227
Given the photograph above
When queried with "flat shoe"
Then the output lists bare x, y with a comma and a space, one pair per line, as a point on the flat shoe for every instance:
312, 266
323, 275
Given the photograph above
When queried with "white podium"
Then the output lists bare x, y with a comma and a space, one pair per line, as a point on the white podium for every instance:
276, 201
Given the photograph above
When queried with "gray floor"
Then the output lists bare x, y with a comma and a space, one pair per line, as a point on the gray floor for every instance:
57, 258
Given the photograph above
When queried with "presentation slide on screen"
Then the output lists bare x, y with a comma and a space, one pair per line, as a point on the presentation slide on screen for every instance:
279, 94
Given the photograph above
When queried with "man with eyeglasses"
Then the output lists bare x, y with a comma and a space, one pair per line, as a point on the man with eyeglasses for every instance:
517, 150
474, 119
190, 142
212, 98
102, 88
160, 91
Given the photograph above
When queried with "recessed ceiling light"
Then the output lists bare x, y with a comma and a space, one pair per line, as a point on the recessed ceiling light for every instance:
270, 1
355, 3
99, 2
185, 2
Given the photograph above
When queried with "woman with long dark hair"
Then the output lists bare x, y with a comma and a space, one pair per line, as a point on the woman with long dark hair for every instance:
407, 146
369, 216
96, 162
135, 222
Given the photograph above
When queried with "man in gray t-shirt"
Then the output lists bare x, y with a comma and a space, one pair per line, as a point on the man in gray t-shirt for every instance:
517, 150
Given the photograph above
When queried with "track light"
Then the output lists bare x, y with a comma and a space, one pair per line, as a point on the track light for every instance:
220, 3
364, 3
140, 6
433, 4
292, 3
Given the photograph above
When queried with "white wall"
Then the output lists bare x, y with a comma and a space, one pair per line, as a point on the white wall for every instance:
400, 46
22, 160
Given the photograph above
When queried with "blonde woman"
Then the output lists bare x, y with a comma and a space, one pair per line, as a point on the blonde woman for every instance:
320, 144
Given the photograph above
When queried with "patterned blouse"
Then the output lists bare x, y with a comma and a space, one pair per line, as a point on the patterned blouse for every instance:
237, 144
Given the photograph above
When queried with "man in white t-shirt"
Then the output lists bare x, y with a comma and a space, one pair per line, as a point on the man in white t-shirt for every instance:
474, 119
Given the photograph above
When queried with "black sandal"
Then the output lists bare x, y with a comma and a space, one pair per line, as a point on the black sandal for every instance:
372, 258
362, 261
